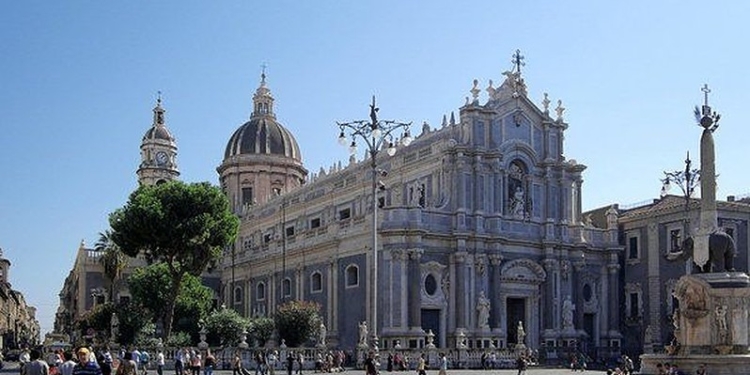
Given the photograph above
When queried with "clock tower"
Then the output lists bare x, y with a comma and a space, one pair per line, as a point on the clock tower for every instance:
158, 152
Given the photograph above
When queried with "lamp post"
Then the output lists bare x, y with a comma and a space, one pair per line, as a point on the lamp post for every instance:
686, 180
377, 135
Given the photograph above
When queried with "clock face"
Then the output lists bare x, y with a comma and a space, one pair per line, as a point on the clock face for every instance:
162, 158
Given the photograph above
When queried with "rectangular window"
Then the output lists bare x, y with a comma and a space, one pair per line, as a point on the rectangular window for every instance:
316, 282
675, 239
633, 248
287, 288
315, 223
267, 238
290, 231
345, 214
247, 196
260, 292
634, 310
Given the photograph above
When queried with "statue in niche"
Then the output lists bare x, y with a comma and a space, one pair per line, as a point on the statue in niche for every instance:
517, 206
416, 195
483, 311
721, 317
567, 313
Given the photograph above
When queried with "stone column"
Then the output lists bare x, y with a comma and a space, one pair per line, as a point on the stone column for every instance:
655, 286
614, 293
460, 288
396, 297
332, 296
550, 300
300, 283
415, 287
494, 293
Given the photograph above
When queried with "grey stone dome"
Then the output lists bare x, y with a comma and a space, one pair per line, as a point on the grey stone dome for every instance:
158, 130
158, 133
262, 135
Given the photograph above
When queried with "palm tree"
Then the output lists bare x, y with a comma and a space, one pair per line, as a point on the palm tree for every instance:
112, 258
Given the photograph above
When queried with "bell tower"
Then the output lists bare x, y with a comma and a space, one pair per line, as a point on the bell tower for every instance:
158, 152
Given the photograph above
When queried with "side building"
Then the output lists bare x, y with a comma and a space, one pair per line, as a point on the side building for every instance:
481, 210
647, 232
18, 323
87, 284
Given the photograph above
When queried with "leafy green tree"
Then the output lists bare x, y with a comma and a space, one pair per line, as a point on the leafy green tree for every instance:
150, 288
97, 320
186, 226
131, 321
224, 327
112, 259
261, 329
193, 305
297, 321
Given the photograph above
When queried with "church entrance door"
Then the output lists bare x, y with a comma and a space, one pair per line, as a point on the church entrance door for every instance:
516, 312
431, 321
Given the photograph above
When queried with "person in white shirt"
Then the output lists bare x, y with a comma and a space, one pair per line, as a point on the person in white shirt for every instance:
160, 363
25, 357
66, 368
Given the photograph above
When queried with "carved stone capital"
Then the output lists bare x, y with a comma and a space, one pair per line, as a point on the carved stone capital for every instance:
399, 255
550, 264
415, 254
613, 268
460, 257
495, 259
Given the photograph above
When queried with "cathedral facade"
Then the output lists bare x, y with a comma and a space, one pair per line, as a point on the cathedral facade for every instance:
479, 231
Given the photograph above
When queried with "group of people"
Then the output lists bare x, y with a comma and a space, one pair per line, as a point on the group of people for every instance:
86, 362
332, 361
674, 369
190, 361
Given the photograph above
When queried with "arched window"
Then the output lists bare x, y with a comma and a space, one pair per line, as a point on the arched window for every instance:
316, 282
352, 276
237, 295
260, 291
286, 287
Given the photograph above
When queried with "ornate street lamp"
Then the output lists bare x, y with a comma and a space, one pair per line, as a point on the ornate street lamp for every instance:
377, 135
686, 180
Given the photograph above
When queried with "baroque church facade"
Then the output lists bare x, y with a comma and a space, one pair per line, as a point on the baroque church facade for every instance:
479, 231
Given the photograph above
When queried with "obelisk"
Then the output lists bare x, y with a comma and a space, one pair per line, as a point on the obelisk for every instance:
708, 218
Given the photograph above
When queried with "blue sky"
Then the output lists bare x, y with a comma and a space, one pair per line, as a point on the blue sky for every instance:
79, 80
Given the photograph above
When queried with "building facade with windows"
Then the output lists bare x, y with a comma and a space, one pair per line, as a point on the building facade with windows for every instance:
482, 210
647, 232
18, 323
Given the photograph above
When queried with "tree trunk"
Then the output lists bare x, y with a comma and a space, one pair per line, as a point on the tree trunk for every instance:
171, 301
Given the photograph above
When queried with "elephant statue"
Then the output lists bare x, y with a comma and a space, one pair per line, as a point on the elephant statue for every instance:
721, 253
